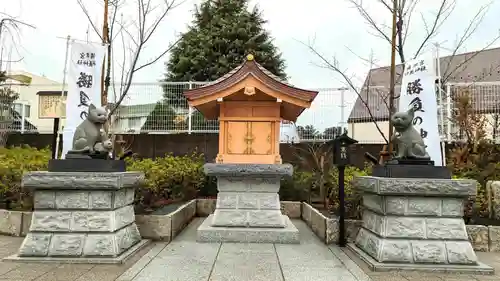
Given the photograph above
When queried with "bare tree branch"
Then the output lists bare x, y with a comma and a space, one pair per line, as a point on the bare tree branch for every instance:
468, 32
358, 4
334, 67
86, 12
442, 15
144, 33
158, 57
404, 13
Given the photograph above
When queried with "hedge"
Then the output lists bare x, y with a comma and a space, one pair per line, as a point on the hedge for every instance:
178, 178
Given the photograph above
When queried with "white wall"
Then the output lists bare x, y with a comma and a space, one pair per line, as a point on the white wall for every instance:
28, 95
367, 132
125, 124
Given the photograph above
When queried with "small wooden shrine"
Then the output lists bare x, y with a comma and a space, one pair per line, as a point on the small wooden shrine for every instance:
250, 103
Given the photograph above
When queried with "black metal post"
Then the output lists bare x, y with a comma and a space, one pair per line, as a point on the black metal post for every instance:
342, 238
55, 132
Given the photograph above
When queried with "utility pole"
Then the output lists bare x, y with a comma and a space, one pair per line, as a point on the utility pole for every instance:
393, 73
105, 40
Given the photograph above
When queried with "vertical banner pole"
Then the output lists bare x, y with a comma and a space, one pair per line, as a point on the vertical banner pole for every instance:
190, 113
55, 146
440, 104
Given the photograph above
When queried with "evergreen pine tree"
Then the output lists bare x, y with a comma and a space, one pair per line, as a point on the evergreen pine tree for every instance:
222, 33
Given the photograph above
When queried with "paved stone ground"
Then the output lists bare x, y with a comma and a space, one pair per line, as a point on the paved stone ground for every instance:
491, 259
186, 260
57, 272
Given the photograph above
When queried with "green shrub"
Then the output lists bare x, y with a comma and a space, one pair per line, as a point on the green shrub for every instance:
352, 196
478, 161
175, 178
14, 162
169, 178
298, 187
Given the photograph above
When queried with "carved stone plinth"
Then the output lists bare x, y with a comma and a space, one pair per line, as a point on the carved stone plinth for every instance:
248, 206
81, 217
415, 224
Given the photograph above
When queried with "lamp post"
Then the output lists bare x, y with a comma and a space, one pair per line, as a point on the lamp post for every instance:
341, 159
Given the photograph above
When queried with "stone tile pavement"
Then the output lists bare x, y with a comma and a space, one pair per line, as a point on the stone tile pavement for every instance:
57, 272
186, 260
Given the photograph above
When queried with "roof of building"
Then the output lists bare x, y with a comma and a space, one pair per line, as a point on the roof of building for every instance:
479, 66
250, 66
135, 110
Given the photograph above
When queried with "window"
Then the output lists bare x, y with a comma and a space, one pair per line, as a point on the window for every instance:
18, 107
27, 110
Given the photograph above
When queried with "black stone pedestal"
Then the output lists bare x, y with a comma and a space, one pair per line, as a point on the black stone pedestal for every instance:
411, 168
86, 165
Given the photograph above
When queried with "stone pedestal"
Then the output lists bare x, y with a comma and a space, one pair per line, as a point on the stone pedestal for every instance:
248, 207
415, 224
81, 217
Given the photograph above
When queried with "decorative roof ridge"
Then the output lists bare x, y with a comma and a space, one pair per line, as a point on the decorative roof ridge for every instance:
236, 74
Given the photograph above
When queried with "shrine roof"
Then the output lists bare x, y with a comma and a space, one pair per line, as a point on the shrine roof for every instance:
250, 67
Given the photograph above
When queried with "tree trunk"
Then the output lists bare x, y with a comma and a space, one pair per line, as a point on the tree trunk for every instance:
4, 132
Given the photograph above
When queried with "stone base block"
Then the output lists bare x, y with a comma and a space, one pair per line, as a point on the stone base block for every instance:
40, 244
416, 250
83, 260
287, 235
248, 218
479, 268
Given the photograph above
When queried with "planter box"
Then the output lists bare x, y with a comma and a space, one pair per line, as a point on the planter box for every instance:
182, 217
291, 209
205, 207
479, 237
14, 223
494, 238
315, 220
166, 227
155, 227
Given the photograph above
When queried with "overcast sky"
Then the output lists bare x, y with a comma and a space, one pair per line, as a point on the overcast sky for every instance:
336, 28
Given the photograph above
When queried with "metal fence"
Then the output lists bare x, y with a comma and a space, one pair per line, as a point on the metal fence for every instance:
166, 111
484, 101
160, 108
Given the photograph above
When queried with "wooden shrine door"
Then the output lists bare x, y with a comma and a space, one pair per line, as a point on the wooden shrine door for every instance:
249, 133
260, 137
249, 138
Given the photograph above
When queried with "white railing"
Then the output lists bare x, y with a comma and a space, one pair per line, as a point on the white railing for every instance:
484, 99
160, 108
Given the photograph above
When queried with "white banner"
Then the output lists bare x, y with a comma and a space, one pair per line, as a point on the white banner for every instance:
418, 91
84, 86
288, 132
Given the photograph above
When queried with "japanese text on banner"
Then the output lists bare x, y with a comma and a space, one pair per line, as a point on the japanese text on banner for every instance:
418, 92
84, 87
